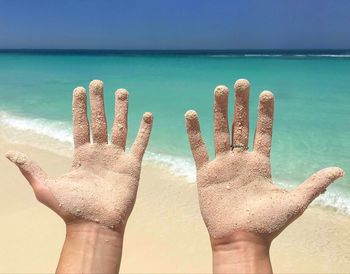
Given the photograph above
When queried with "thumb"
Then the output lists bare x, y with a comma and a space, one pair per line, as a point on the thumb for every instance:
316, 184
30, 170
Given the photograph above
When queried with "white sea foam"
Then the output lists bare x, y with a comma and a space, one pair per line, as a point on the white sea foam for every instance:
334, 197
57, 130
331, 55
56, 136
178, 166
35, 128
263, 55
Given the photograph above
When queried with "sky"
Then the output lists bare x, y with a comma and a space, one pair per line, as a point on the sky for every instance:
175, 24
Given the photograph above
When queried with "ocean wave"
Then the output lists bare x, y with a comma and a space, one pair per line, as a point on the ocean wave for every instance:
301, 55
178, 166
34, 129
334, 198
284, 55
263, 55
331, 55
56, 136
58, 130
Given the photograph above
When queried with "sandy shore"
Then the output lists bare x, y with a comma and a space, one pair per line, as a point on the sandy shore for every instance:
165, 233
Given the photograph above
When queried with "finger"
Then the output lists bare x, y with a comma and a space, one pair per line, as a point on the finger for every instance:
263, 132
198, 148
31, 170
81, 131
120, 126
221, 129
36, 178
240, 128
140, 144
316, 184
98, 116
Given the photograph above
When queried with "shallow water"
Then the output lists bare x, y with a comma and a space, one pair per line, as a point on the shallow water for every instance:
312, 115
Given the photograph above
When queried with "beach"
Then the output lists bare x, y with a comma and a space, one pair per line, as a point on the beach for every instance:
191, 122
165, 233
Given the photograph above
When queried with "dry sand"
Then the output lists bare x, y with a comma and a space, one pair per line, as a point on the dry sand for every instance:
165, 232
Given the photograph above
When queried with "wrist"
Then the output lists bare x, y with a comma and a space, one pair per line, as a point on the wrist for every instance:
241, 252
90, 248
89, 228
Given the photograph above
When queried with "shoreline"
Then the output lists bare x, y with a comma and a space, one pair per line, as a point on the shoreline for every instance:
165, 231
180, 166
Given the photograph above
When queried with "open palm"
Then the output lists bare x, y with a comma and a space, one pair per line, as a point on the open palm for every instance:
102, 184
235, 189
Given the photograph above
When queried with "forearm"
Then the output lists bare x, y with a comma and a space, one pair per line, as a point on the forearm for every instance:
240, 256
90, 248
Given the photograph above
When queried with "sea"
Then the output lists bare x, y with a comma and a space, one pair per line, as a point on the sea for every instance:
311, 88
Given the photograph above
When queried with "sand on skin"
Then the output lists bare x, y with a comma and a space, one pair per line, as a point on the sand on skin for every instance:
235, 189
89, 190
165, 231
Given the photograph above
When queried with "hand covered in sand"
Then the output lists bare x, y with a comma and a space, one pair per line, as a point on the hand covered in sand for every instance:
102, 184
236, 192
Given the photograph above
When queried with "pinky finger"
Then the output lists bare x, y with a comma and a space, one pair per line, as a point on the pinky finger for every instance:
198, 148
140, 144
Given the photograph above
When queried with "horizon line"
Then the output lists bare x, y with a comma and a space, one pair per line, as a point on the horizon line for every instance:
237, 52
154, 49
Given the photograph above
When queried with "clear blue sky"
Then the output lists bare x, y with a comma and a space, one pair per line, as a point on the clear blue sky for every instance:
175, 24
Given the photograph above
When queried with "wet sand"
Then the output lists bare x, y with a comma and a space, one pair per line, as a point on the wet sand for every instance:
165, 233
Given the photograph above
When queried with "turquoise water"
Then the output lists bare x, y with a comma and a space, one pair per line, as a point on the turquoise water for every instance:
312, 114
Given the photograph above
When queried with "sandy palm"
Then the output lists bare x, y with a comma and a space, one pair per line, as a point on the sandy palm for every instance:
103, 181
236, 192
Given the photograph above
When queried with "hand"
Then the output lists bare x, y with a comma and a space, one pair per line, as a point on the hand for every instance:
237, 197
102, 184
